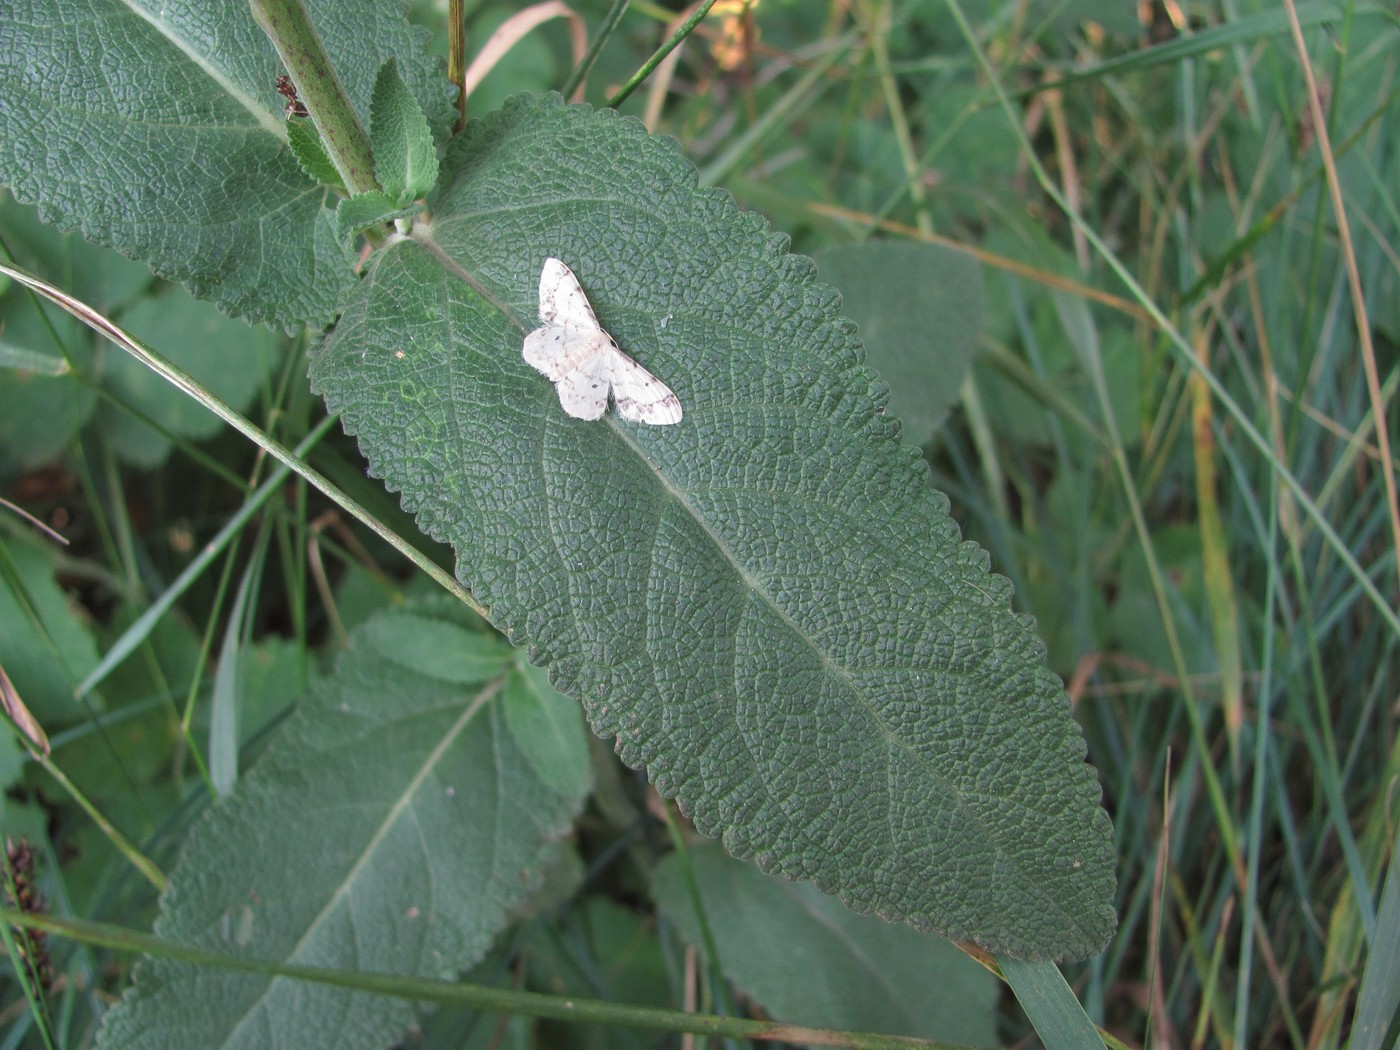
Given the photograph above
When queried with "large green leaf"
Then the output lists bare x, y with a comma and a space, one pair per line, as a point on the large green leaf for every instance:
156, 129
767, 604
418, 822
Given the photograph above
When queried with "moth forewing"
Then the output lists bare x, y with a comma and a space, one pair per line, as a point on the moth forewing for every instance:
557, 350
562, 301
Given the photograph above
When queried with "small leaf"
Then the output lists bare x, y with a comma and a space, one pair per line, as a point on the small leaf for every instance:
225, 703
438, 648
808, 960
766, 604
405, 162
368, 209
306, 146
417, 825
919, 308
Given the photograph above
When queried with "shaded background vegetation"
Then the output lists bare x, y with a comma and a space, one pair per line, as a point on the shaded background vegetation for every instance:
1181, 476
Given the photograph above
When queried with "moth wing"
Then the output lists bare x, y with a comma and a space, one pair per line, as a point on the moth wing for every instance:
639, 395
556, 350
583, 389
562, 301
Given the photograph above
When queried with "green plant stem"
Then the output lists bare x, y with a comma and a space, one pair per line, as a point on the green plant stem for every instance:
288, 26
697, 901
619, 8
447, 993
674, 42
33, 993
877, 28
457, 54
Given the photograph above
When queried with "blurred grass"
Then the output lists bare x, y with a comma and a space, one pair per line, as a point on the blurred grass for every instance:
1236, 682
1166, 274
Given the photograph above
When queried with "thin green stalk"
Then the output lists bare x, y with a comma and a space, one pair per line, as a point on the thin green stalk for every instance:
448, 993
289, 27
660, 56
707, 937
878, 22
33, 994
457, 54
125, 846
1254, 825
619, 8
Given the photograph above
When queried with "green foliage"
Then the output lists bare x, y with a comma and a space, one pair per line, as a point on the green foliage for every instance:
405, 162
738, 599
919, 309
187, 166
45, 647
364, 210
806, 958
417, 810
1168, 438
51, 389
306, 146
220, 353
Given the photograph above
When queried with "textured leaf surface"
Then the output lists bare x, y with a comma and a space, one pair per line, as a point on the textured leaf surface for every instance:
156, 129
919, 309
368, 209
808, 960
417, 822
766, 604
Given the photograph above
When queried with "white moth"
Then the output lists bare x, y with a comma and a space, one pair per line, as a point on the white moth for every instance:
584, 362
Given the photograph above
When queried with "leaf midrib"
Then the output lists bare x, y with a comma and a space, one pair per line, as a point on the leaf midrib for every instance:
722, 546
372, 845
262, 116
842, 675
